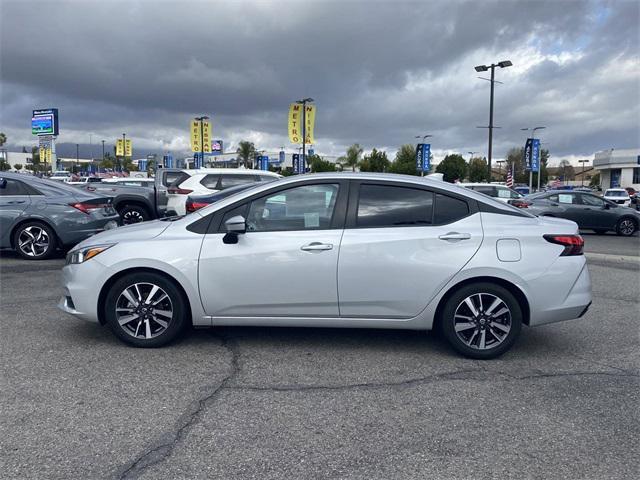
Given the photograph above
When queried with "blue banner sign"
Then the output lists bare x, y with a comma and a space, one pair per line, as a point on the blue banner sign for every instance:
263, 162
535, 155
527, 154
198, 159
281, 156
297, 163
423, 157
142, 164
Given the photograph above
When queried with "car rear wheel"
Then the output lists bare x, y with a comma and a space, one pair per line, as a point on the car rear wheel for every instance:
481, 320
626, 227
34, 241
131, 214
145, 310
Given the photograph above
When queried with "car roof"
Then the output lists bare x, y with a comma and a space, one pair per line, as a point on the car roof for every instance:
231, 171
480, 184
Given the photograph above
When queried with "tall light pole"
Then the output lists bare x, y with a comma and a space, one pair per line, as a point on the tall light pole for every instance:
533, 135
484, 68
304, 102
471, 154
102, 149
582, 176
499, 162
77, 157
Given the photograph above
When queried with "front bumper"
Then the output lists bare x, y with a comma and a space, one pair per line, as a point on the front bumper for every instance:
81, 289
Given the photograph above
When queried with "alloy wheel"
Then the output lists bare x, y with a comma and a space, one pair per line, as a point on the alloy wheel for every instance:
33, 241
482, 321
132, 216
627, 227
144, 310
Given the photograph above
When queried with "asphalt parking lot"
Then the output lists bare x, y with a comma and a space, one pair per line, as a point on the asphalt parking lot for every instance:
311, 403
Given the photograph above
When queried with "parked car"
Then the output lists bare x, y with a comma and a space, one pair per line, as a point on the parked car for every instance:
336, 250
616, 195
61, 176
499, 192
133, 203
196, 202
522, 190
589, 211
84, 180
37, 215
210, 180
131, 181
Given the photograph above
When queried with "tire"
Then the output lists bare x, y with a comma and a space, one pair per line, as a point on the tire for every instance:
147, 327
626, 226
34, 241
600, 232
497, 339
131, 214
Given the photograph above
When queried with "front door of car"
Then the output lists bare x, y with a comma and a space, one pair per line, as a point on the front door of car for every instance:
14, 200
595, 214
401, 245
285, 264
566, 205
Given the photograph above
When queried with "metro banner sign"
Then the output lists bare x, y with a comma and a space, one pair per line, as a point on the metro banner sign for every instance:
123, 150
200, 138
295, 123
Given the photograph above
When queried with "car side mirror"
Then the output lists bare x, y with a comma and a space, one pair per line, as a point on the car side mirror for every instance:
234, 226
606, 206
3, 183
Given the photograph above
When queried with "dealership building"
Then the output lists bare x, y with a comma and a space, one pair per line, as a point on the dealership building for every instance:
618, 168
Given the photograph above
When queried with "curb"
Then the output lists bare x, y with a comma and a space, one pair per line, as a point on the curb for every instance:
615, 259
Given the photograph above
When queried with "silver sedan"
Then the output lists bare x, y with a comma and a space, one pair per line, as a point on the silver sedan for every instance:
336, 250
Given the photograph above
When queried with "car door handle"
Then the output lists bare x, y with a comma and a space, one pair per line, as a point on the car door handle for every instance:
455, 236
316, 247
15, 202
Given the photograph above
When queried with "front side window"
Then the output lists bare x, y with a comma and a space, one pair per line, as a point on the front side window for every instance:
308, 207
12, 187
592, 201
389, 206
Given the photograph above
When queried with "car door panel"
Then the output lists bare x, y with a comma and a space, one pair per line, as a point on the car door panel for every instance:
14, 200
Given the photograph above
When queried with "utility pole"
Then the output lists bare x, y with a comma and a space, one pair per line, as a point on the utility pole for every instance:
77, 157
582, 176
484, 68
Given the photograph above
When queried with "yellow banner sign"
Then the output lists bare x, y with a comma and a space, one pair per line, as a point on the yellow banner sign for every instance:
295, 123
206, 137
45, 154
195, 136
123, 151
200, 136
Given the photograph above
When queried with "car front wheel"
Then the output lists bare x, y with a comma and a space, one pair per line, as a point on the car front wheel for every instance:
626, 227
481, 320
145, 310
131, 214
34, 241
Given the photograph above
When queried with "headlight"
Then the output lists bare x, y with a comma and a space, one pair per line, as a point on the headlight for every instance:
83, 254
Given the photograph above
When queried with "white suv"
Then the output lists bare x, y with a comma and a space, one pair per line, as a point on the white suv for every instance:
210, 180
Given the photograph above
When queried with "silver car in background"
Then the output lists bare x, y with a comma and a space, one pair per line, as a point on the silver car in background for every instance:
336, 250
37, 215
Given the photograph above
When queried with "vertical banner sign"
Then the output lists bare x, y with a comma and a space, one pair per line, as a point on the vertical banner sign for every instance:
281, 157
303, 163
535, 155
119, 148
294, 125
426, 157
206, 136
296, 162
142, 164
310, 118
265, 163
195, 136
527, 154
127, 148
419, 156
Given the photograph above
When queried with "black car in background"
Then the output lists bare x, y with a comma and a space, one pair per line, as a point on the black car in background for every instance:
589, 211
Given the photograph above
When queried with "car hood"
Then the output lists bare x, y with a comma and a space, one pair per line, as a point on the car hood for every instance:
135, 232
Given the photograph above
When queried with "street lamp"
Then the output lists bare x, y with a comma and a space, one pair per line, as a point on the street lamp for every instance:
471, 154
499, 162
484, 68
533, 135
304, 102
102, 149
582, 176
424, 137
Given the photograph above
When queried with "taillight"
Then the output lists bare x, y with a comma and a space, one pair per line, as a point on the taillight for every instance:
192, 206
91, 189
573, 244
519, 203
88, 207
178, 191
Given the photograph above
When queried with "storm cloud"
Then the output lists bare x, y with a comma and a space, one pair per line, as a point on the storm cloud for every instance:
381, 72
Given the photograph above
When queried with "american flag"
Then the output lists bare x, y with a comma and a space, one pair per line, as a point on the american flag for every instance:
510, 178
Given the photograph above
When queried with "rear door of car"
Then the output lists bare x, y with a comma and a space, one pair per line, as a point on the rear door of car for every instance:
594, 212
402, 243
14, 200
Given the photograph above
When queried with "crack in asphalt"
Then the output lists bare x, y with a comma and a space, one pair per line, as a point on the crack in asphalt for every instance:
162, 449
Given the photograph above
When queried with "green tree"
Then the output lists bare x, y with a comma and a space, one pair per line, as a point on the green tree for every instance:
4, 165
375, 162
453, 167
108, 161
595, 180
352, 158
319, 164
246, 153
17, 166
405, 161
566, 170
478, 170
3, 139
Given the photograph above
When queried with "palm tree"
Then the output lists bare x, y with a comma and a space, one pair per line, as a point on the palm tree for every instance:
246, 152
3, 139
352, 158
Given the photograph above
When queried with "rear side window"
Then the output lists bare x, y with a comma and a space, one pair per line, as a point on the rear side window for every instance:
266, 178
13, 187
565, 198
389, 206
227, 181
449, 209
488, 190
176, 178
210, 181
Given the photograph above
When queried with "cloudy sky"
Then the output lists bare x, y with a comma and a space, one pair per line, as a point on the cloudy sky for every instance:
381, 72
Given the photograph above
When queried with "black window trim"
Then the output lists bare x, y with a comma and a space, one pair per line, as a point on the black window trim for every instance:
354, 197
339, 213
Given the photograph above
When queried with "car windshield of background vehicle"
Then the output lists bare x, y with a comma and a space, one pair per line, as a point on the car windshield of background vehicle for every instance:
309, 207
389, 206
616, 193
